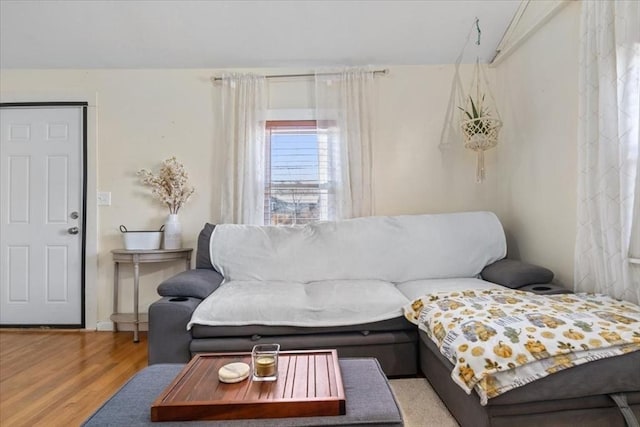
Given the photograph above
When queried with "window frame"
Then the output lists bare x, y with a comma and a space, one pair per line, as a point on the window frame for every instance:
270, 126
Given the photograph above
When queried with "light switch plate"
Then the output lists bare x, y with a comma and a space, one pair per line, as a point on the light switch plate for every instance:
104, 198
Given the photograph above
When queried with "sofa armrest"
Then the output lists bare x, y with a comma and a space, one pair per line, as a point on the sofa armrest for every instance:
168, 337
198, 283
515, 274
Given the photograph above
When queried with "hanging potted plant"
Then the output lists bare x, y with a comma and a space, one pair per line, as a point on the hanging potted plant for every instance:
172, 188
479, 119
480, 129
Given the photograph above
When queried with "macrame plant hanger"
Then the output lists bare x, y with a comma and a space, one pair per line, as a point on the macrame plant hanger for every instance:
479, 120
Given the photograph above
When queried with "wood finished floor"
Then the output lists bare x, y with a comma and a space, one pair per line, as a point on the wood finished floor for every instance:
58, 378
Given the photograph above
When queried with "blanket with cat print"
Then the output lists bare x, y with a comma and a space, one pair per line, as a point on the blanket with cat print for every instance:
500, 339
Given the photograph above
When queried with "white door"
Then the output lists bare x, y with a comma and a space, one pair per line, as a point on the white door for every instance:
41, 172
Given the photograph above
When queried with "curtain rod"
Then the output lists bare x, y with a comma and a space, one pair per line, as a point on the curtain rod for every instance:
280, 76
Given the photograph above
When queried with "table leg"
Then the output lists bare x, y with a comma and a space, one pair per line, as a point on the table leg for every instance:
136, 280
116, 281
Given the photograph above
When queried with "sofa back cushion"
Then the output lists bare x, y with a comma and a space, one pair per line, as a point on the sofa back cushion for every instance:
395, 249
203, 259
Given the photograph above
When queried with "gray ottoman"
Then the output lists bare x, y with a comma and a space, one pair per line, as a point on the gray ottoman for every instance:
369, 401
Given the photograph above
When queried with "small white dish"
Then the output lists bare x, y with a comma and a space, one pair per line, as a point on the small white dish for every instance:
234, 372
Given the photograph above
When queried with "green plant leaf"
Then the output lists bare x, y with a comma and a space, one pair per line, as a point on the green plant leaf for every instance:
473, 108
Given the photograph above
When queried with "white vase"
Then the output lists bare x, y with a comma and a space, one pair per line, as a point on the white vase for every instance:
172, 232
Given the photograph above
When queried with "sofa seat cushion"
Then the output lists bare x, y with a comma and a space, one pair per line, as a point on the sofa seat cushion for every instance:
256, 331
315, 304
415, 289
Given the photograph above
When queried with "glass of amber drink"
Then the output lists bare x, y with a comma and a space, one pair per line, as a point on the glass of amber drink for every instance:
264, 362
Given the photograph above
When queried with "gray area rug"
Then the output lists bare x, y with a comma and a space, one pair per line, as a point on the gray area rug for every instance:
420, 405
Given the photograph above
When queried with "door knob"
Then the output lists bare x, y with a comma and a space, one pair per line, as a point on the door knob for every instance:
73, 230
74, 215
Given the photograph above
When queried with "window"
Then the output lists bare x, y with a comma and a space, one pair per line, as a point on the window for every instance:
296, 174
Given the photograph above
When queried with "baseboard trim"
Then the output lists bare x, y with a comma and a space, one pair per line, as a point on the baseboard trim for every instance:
122, 326
104, 326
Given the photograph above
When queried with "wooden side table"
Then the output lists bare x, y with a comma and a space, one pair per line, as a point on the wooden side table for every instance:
137, 257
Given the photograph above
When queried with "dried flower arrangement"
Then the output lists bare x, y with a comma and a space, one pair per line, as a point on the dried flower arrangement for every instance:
170, 186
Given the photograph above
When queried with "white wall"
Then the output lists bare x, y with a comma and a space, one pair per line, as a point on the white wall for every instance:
145, 116
412, 173
140, 117
538, 94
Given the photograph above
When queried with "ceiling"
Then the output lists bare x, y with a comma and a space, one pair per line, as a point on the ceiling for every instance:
239, 34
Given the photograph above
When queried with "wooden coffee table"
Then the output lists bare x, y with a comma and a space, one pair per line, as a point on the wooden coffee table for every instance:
309, 384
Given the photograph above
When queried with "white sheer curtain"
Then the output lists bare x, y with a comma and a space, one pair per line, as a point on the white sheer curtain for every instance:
242, 125
608, 150
344, 114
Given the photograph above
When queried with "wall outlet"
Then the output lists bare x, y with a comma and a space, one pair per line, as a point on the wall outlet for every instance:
104, 198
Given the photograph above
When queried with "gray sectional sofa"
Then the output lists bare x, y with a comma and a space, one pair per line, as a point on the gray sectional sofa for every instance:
474, 241
393, 341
